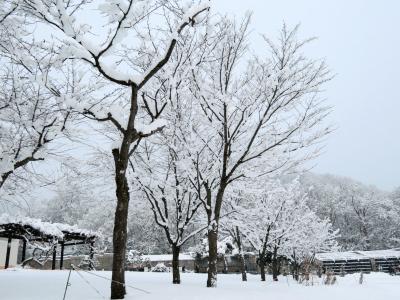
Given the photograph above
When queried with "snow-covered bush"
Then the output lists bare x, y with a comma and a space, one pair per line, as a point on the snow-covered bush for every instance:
160, 267
226, 246
137, 259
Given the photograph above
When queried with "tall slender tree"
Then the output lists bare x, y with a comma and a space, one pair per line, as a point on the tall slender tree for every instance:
254, 117
121, 70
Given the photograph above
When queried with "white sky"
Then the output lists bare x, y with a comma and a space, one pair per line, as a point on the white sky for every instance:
361, 42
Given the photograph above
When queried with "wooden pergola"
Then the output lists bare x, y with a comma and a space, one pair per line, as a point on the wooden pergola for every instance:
72, 238
32, 230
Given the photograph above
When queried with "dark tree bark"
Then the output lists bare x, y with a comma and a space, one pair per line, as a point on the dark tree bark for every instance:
296, 272
262, 255
120, 236
213, 223
176, 277
121, 159
241, 255
275, 265
262, 269
225, 270
295, 267
243, 267
212, 257
275, 271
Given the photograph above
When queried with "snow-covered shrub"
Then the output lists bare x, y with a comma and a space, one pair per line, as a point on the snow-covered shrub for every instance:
88, 263
137, 259
160, 267
226, 246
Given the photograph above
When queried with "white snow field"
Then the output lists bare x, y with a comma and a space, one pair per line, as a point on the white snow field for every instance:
17, 284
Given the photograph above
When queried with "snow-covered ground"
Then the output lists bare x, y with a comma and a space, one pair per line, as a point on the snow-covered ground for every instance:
49, 285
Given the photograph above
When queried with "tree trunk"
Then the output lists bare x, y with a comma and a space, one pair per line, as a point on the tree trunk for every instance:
243, 267
176, 277
225, 270
275, 270
275, 265
212, 258
121, 159
212, 234
241, 258
262, 271
366, 242
261, 263
296, 271
120, 236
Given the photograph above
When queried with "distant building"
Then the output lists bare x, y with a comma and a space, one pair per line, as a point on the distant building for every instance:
228, 264
357, 261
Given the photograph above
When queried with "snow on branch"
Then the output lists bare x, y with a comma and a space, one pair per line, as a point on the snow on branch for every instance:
60, 14
146, 130
189, 18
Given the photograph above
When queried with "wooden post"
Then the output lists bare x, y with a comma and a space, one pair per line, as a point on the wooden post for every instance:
23, 251
62, 256
53, 263
8, 252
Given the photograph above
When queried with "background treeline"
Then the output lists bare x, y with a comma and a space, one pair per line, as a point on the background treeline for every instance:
367, 218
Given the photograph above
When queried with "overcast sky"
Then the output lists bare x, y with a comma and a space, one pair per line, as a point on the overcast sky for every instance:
360, 40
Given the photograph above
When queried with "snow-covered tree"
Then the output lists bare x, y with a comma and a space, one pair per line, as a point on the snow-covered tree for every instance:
174, 203
253, 116
365, 216
74, 198
126, 54
280, 224
316, 235
31, 116
161, 164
